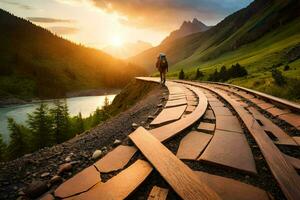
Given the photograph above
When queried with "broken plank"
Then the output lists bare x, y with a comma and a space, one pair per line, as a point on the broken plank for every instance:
158, 193
168, 115
180, 177
192, 145
119, 186
178, 102
206, 127
116, 159
230, 149
230, 189
79, 183
228, 123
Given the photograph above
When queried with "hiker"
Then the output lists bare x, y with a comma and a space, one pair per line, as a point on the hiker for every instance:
162, 66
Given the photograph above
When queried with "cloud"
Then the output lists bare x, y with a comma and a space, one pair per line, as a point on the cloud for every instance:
49, 20
63, 30
18, 4
164, 13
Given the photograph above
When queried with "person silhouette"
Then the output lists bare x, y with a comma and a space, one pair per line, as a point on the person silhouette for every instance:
162, 66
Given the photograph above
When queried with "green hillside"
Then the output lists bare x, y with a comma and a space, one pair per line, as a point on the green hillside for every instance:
36, 63
265, 33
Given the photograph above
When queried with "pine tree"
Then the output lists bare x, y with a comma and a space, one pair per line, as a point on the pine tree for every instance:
98, 116
223, 74
17, 146
61, 122
105, 109
199, 74
79, 123
181, 75
3, 149
40, 125
278, 77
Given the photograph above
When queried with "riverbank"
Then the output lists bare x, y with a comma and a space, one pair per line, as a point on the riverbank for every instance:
133, 105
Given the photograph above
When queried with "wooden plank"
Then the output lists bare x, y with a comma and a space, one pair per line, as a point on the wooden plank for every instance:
230, 189
294, 161
276, 111
209, 114
291, 118
297, 139
221, 111
265, 106
283, 171
268, 125
231, 150
116, 159
180, 177
192, 103
158, 193
121, 185
257, 101
79, 183
167, 131
216, 104
168, 115
178, 102
228, 123
206, 127
192, 145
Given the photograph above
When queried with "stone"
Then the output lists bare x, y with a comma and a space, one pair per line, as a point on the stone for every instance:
55, 179
45, 174
134, 125
64, 167
117, 142
68, 159
36, 189
96, 154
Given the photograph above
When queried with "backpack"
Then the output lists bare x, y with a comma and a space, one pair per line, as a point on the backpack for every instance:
163, 62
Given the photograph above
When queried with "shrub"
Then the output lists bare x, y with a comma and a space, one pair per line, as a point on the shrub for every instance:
181, 75
286, 68
278, 77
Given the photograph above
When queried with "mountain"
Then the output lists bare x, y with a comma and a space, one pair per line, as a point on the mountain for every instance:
187, 28
263, 34
127, 49
36, 63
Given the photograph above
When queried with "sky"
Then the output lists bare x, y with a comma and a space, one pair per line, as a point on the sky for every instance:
100, 23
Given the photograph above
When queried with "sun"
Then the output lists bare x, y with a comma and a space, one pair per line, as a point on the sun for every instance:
117, 41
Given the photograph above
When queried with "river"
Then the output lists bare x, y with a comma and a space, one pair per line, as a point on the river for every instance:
86, 105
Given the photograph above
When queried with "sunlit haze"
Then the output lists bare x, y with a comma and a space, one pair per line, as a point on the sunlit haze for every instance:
100, 23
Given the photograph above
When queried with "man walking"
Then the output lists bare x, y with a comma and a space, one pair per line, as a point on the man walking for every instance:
162, 66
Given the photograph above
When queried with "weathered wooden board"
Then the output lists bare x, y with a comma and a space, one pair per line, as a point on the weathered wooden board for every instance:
158, 193
230, 189
265, 106
192, 145
121, 185
291, 118
168, 115
79, 183
116, 159
228, 123
216, 104
276, 111
180, 177
230, 149
190, 109
268, 125
209, 114
206, 127
297, 139
221, 111
294, 161
257, 101
178, 102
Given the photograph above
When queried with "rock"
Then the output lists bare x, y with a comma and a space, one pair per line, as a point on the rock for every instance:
104, 149
68, 159
117, 142
134, 125
43, 175
55, 179
159, 105
151, 117
36, 189
96, 154
64, 167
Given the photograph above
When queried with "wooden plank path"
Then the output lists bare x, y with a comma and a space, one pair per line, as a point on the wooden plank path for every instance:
176, 173
158, 193
283, 171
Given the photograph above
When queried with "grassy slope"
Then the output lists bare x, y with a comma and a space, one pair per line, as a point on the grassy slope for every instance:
36, 63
